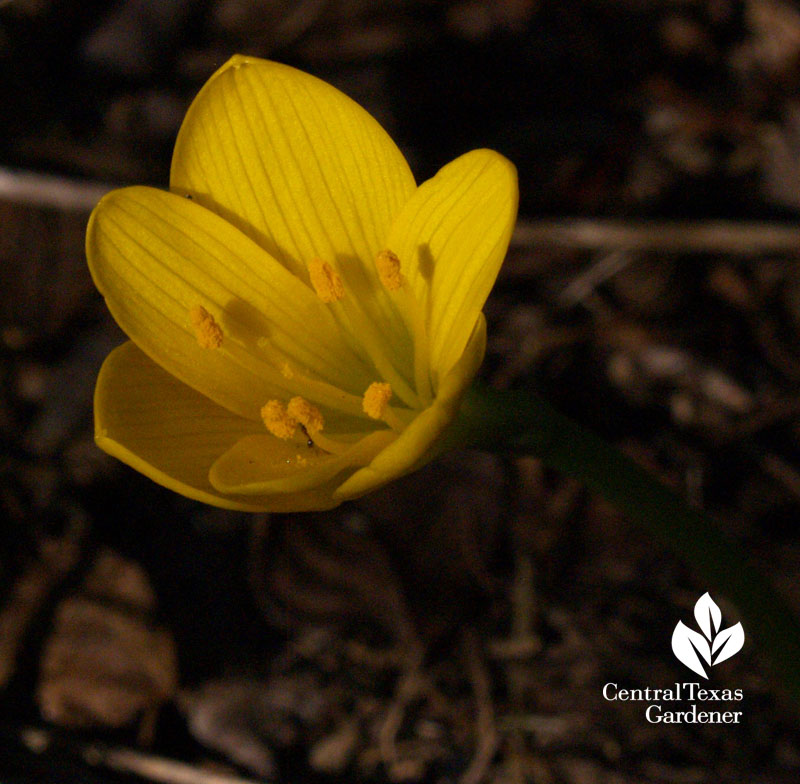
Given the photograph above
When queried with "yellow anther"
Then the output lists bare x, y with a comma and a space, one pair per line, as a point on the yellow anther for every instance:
278, 421
286, 371
389, 270
376, 399
308, 415
209, 333
325, 280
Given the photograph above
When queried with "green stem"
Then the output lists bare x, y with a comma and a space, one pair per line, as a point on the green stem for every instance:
519, 422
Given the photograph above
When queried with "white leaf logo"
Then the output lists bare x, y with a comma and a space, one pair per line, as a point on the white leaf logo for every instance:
708, 616
713, 646
686, 645
728, 642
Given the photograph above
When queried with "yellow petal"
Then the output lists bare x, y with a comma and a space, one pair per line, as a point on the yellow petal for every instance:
417, 444
263, 464
299, 167
451, 237
170, 433
156, 257
303, 168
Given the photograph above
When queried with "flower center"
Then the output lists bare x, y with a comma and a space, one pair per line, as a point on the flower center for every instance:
360, 326
284, 419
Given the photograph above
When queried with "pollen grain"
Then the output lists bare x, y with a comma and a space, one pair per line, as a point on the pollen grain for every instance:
307, 414
325, 280
208, 332
376, 399
389, 270
278, 421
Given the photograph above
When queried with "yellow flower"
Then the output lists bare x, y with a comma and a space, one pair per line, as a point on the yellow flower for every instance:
304, 319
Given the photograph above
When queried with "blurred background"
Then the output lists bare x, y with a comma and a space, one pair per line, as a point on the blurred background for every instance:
652, 291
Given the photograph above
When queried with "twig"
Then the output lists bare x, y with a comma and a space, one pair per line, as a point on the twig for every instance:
156, 768
412, 684
485, 727
121, 760
674, 236
606, 267
46, 190
70, 194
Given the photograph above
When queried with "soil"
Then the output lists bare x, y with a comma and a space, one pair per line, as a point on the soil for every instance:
469, 622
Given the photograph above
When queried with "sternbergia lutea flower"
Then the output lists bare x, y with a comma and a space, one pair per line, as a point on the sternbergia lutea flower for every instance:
303, 318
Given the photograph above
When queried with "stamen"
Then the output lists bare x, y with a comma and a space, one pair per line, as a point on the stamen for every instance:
330, 288
330, 445
374, 345
283, 423
389, 270
422, 360
321, 391
310, 417
376, 405
209, 333
325, 280
306, 414
278, 420
376, 399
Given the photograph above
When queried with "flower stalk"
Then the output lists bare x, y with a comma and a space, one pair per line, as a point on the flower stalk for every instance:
522, 423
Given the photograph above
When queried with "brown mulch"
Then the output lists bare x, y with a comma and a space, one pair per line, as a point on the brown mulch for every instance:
460, 624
